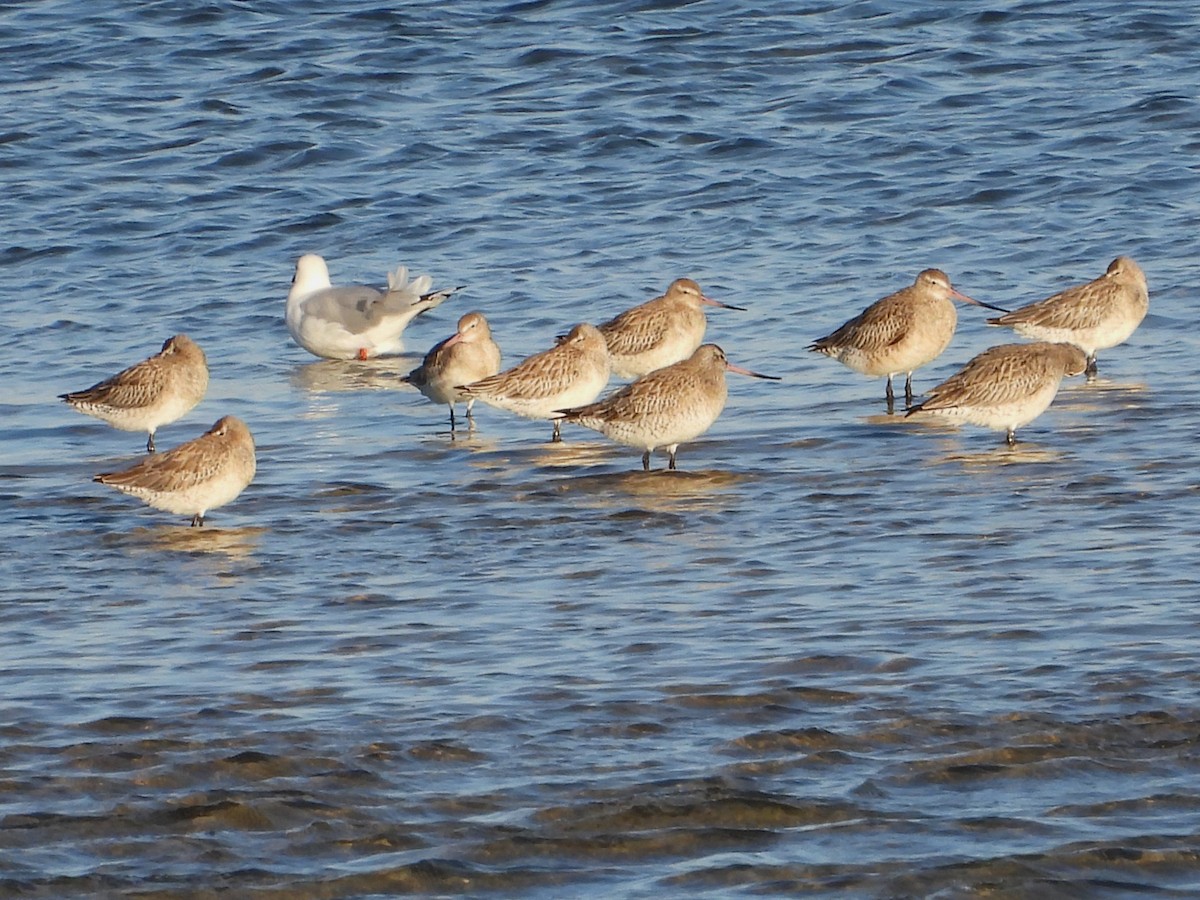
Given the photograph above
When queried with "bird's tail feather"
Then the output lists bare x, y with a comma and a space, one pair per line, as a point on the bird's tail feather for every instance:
402, 292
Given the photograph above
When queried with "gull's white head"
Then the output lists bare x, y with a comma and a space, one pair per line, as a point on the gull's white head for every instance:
311, 275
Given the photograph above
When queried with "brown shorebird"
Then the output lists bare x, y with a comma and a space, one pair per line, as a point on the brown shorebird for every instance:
354, 321
666, 408
195, 477
1005, 387
899, 333
155, 392
1092, 316
660, 331
468, 355
571, 373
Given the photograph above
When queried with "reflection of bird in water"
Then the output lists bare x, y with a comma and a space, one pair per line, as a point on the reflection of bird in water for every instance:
230, 543
1092, 316
468, 355
901, 332
660, 491
666, 408
336, 376
1004, 387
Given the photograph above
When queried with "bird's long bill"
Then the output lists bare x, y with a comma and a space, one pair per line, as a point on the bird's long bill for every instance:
711, 302
734, 368
963, 297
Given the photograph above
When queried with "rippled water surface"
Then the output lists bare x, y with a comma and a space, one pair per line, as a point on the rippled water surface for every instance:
838, 654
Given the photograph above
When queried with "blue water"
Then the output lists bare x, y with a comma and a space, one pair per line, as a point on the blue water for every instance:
838, 654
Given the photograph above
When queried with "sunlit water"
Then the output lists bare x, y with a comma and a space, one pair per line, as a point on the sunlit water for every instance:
838, 654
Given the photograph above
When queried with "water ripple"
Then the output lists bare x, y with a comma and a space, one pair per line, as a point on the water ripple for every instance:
837, 654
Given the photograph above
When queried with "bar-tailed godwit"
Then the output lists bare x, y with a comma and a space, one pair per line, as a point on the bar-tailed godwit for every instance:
468, 355
668, 407
660, 331
154, 392
1092, 316
571, 373
1005, 387
354, 321
194, 477
901, 332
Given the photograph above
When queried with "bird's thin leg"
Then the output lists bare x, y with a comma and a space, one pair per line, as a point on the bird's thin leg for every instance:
150, 443
671, 464
557, 438
646, 461
197, 521
1091, 369
891, 397
908, 394
452, 423
1011, 437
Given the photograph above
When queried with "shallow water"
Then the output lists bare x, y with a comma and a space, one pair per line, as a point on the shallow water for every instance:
838, 654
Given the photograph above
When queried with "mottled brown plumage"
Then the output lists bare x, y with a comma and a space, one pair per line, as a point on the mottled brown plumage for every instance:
666, 408
572, 372
1005, 387
1093, 316
660, 331
194, 477
900, 333
468, 355
152, 393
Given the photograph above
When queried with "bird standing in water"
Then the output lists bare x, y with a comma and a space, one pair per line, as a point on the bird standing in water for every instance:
901, 332
194, 477
572, 372
1005, 387
660, 331
354, 321
468, 355
1092, 316
668, 407
154, 392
